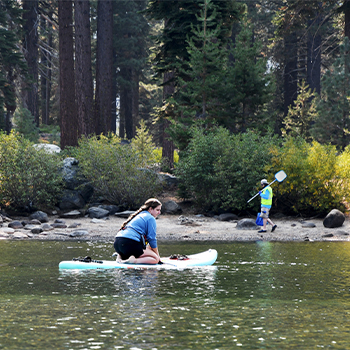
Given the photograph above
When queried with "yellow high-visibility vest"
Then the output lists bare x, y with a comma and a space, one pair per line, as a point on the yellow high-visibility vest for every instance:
269, 200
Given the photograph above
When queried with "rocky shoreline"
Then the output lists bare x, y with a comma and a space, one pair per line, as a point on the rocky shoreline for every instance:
173, 228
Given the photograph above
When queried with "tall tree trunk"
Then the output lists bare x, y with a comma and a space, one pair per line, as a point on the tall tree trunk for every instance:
114, 75
31, 55
127, 103
346, 6
290, 71
313, 68
168, 145
45, 80
8, 121
49, 74
114, 96
83, 70
68, 114
135, 100
121, 114
104, 66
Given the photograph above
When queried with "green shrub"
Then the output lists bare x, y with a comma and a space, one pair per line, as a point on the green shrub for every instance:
317, 176
341, 182
53, 134
158, 155
25, 124
29, 178
143, 145
116, 171
221, 171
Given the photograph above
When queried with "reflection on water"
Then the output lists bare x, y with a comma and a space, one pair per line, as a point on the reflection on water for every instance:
258, 296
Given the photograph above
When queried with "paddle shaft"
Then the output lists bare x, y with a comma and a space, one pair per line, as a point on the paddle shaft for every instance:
258, 192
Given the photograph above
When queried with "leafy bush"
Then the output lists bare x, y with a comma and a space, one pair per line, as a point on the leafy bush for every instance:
144, 146
317, 177
221, 171
341, 183
158, 155
52, 132
29, 178
149, 155
116, 171
25, 124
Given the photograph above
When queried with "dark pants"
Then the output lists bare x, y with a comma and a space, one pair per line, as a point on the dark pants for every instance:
126, 247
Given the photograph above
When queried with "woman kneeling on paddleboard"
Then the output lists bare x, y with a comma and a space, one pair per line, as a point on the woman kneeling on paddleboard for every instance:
139, 228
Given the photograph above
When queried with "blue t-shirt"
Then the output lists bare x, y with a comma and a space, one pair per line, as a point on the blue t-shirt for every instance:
143, 223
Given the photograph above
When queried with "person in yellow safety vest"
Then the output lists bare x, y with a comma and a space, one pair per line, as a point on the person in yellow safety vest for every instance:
266, 195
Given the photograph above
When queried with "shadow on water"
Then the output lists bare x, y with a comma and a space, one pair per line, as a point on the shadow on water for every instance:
259, 295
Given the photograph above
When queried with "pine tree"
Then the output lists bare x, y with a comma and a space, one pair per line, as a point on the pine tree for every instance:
130, 42
12, 64
31, 53
171, 57
143, 145
207, 56
333, 122
196, 100
249, 87
104, 98
302, 114
68, 114
83, 68
179, 18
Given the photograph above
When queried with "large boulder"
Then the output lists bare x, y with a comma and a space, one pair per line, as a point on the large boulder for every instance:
49, 148
227, 217
97, 212
247, 224
70, 200
39, 215
167, 180
77, 191
335, 218
124, 214
70, 173
171, 207
112, 209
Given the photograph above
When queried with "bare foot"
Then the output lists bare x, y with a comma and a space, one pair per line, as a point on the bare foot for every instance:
130, 260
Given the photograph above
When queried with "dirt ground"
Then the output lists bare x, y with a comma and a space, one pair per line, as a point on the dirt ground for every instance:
191, 227
188, 226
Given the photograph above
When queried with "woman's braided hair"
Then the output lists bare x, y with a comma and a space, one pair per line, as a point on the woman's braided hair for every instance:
150, 203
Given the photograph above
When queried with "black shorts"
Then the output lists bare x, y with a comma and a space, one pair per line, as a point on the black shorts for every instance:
126, 247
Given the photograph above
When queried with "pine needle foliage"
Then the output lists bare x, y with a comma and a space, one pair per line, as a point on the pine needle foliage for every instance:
300, 117
333, 122
249, 86
144, 146
25, 124
196, 101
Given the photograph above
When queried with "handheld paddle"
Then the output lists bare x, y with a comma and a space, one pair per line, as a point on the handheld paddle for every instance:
280, 176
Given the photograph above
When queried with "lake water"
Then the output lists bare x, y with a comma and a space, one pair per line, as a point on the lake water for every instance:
258, 296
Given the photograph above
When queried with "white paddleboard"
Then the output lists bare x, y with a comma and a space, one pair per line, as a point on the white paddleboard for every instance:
205, 258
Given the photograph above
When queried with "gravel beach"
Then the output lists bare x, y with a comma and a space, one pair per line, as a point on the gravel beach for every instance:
186, 227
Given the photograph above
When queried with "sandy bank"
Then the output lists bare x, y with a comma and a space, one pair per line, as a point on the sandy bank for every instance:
193, 228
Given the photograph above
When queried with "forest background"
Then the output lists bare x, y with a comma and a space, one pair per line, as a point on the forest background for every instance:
240, 89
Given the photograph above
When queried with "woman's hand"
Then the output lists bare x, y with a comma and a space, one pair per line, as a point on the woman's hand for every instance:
153, 249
